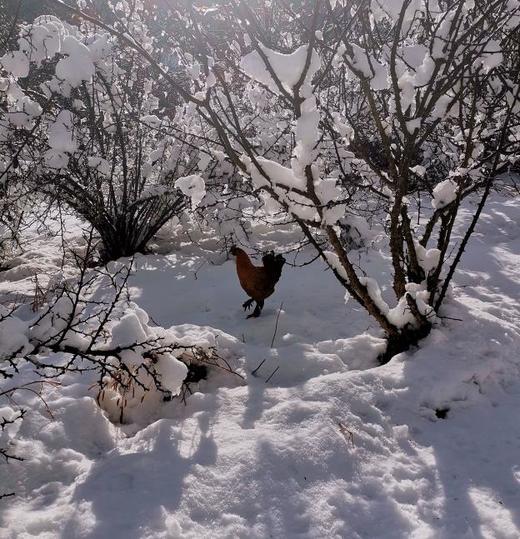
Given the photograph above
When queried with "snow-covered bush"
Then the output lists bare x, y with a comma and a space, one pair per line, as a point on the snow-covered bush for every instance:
90, 325
397, 111
137, 366
88, 114
90, 328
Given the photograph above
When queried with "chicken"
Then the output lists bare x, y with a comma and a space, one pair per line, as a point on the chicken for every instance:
258, 282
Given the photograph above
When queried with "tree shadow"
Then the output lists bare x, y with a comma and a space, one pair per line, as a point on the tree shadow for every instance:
255, 402
311, 487
126, 491
475, 436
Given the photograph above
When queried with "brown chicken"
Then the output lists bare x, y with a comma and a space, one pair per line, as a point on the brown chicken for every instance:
258, 282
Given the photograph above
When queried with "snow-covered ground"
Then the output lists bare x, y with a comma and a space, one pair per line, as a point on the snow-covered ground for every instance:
330, 446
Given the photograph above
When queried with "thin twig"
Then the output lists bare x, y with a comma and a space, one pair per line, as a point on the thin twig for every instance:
276, 325
272, 374
449, 318
261, 363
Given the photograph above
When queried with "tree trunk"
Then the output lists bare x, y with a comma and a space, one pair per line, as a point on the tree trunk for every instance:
407, 338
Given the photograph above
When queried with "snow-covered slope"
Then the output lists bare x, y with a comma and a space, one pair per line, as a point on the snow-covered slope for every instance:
329, 447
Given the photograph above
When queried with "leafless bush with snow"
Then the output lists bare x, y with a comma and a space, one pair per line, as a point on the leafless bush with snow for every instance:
84, 112
383, 106
89, 326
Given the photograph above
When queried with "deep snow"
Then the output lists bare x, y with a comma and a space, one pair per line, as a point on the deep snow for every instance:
328, 448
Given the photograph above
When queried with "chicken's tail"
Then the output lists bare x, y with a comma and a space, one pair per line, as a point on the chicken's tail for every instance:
273, 265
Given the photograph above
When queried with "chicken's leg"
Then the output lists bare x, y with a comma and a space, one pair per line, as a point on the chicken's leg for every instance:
247, 304
258, 309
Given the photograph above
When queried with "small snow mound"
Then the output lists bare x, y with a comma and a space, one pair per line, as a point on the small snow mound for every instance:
359, 352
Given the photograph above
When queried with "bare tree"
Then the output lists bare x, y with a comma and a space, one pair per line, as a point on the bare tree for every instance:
397, 104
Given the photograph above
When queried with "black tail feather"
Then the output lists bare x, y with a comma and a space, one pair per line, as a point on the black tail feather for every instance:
273, 264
